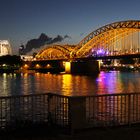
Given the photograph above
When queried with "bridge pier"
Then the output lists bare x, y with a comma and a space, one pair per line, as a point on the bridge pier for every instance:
82, 67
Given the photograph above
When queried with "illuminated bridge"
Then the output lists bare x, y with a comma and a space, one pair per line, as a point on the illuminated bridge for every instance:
115, 40
55, 52
119, 38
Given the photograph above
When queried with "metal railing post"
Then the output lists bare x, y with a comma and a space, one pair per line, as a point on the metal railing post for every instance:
77, 112
129, 109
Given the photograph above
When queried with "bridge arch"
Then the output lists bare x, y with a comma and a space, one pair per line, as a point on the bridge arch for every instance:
117, 37
55, 52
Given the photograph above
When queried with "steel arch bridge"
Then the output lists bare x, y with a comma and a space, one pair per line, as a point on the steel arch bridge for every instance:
55, 52
118, 38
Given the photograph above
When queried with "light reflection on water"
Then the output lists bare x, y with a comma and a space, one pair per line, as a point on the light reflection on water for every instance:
66, 84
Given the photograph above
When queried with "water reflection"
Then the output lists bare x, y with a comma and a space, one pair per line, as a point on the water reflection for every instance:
67, 84
109, 82
130, 82
5, 84
74, 85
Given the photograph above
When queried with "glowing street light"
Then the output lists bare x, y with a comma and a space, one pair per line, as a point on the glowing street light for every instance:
37, 66
26, 66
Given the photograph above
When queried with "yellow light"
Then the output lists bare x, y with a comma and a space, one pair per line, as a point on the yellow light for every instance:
67, 67
4, 75
100, 63
64, 63
67, 84
26, 66
37, 66
48, 66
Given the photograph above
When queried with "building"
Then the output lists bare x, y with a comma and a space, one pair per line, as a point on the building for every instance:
5, 48
26, 57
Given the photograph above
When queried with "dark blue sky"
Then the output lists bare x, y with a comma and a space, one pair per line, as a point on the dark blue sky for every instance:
22, 20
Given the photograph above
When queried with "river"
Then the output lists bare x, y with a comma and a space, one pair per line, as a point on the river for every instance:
67, 84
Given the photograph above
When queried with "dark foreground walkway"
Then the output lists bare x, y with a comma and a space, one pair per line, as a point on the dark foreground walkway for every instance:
43, 133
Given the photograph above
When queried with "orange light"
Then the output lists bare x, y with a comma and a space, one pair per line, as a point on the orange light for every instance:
37, 66
26, 66
48, 66
67, 67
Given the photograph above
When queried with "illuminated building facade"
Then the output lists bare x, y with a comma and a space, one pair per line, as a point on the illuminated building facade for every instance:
5, 47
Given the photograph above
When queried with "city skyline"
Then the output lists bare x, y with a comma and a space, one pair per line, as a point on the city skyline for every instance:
27, 19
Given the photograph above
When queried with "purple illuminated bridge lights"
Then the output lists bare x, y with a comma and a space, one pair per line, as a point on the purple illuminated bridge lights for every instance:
100, 52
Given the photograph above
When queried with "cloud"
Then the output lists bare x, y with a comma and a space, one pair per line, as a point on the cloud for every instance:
67, 36
59, 38
40, 41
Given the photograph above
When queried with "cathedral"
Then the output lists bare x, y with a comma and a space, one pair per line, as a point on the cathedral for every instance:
5, 47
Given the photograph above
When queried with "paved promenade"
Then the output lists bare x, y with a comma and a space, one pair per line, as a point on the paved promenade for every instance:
120, 133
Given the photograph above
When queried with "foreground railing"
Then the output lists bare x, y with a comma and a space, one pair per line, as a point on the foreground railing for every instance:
23, 109
58, 108
96, 111
113, 110
70, 112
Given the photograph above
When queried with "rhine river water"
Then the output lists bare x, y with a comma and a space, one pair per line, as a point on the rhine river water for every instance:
67, 84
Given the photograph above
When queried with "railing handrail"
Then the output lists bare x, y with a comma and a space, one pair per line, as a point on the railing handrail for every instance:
114, 94
68, 96
27, 95
97, 95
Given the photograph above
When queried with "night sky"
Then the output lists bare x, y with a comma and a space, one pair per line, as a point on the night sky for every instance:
22, 20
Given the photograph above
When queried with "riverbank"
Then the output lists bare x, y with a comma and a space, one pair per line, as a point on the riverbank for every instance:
128, 68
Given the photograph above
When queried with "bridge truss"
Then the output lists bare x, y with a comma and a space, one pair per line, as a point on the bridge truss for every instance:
55, 52
117, 38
